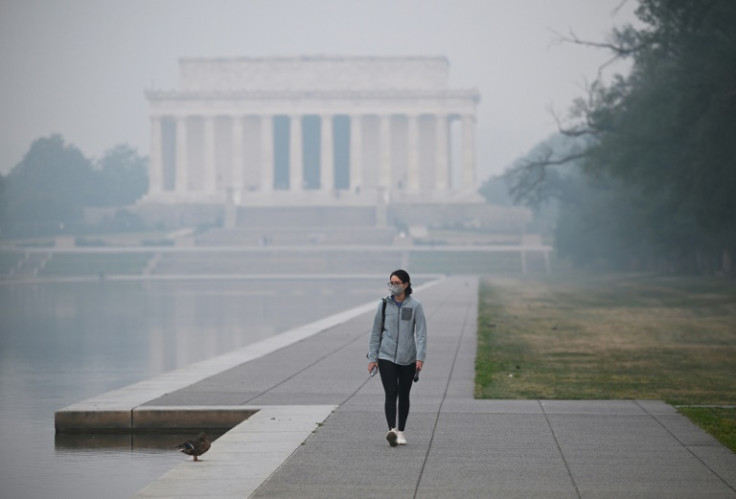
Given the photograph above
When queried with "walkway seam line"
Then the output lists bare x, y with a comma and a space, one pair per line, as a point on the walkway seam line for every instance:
685, 446
358, 336
309, 366
559, 449
442, 402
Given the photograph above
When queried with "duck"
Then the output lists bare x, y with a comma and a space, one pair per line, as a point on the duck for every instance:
196, 447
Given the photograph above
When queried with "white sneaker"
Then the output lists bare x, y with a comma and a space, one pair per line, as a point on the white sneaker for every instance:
400, 438
391, 436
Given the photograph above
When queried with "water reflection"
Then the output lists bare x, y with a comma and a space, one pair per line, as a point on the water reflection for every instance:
63, 342
162, 441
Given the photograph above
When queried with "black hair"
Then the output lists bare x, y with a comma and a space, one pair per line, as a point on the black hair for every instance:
404, 276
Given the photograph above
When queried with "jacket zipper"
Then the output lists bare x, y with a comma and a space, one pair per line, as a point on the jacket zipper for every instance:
398, 331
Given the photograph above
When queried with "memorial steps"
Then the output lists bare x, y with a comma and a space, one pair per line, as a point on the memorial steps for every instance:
296, 261
299, 241
295, 236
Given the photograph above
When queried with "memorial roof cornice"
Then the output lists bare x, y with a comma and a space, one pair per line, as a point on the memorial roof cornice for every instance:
472, 93
318, 57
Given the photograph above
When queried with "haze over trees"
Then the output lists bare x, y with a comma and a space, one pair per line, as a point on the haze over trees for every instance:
48, 190
644, 176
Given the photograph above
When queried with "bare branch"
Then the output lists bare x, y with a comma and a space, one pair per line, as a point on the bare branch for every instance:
619, 7
620, 50
617, 49
576, 131
527, 180
561, 161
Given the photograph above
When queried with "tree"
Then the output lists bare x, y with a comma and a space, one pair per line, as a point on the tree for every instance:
121, 176
53, 183
495, 191
662, 136
49, 187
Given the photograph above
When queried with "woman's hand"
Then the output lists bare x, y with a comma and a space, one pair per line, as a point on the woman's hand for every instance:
371, 366
420, 364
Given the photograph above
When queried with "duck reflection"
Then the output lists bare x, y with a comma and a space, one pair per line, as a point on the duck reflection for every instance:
160, 440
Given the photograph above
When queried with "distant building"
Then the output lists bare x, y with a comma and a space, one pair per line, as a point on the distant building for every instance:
313, 131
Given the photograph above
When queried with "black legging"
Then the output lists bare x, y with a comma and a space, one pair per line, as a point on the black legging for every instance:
397, 381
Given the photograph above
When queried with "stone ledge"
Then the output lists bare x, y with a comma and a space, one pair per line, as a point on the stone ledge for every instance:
190, 417
243, 458
91, 418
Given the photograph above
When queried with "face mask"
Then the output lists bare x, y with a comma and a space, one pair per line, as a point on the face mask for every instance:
396, 289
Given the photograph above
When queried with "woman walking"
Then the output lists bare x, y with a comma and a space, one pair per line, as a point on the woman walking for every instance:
397, 347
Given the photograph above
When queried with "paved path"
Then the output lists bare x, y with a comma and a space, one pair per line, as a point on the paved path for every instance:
458, 446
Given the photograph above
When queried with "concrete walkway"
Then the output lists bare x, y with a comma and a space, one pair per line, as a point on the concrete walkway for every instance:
333, 443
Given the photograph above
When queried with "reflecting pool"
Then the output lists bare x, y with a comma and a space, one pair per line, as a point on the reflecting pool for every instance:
63, 342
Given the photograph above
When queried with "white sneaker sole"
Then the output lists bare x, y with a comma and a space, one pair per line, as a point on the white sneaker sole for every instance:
400, 438
391, 436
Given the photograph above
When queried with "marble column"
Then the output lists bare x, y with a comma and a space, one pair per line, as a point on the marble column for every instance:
266, 173
442, 140
155, 177
210, 166
296, 160
237, 155
356, 152
327, 160
413, 154
182, 169
384, 147
468, 122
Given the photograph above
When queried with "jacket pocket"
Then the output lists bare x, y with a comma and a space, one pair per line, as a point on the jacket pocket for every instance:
406, 313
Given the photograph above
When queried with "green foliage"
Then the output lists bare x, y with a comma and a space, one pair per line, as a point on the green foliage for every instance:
122, 177
49, 187
671, 125
47, 191
655, 185
495, 191
718, 421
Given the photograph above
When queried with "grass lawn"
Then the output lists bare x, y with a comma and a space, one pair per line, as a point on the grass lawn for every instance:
590, 336
718, 421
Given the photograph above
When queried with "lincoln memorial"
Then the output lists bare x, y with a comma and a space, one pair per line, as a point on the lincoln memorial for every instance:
313, 131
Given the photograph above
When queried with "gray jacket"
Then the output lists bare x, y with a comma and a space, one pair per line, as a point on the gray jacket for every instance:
404, 333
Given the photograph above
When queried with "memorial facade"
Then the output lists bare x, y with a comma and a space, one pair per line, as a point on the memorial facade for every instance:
313, 131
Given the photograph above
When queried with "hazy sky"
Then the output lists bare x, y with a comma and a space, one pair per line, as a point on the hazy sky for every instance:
80, 67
